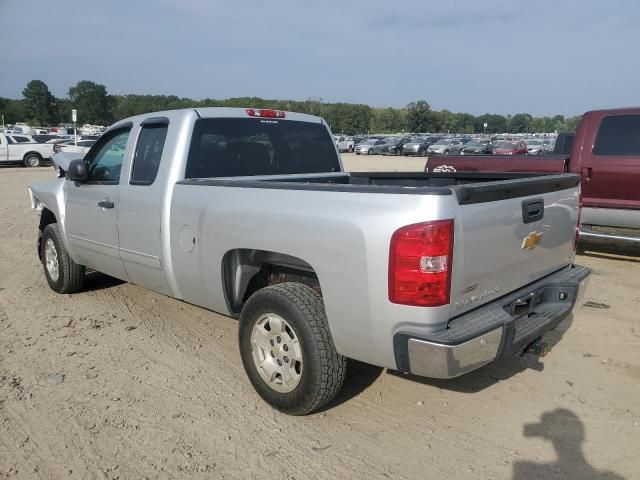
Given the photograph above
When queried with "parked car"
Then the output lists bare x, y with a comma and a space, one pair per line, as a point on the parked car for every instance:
535, 147
445, 146
317, 264
371, 146
83, 146
477, 147
344, 144
514, 147
418, 146
605, 152
23, 149
394, 145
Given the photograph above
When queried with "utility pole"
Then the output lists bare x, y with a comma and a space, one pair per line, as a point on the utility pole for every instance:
74, 117
3, 129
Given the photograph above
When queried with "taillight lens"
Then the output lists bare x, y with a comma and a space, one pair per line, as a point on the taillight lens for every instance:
420, 261
265, 113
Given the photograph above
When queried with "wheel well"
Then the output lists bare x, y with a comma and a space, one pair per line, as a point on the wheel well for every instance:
32, 153
46, 218
245, 271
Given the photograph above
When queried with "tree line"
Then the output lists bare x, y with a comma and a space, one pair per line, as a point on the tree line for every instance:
38, 106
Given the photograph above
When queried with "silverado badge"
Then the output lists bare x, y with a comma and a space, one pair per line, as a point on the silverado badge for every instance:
531, 241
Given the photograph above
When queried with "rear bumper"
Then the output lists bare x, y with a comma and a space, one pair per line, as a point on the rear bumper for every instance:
502, 328
611, 235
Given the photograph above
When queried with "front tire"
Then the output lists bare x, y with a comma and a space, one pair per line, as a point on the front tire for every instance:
32, 160
63, 274
370, 152
287, 350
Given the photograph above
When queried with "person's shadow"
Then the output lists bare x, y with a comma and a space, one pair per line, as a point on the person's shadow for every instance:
565, 430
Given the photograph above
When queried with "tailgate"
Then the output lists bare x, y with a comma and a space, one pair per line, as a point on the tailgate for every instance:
509, 234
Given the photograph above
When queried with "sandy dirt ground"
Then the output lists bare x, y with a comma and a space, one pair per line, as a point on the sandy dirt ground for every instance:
120, 382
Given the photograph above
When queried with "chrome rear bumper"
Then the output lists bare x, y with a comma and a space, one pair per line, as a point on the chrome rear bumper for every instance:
494, 330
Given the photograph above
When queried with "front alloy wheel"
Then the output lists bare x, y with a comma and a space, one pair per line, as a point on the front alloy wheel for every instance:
51, 260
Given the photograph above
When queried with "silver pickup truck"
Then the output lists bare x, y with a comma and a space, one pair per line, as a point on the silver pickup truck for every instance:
248, 212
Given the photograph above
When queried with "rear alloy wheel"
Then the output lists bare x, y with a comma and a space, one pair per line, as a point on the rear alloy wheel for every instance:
287, 350
32, 160
276, 353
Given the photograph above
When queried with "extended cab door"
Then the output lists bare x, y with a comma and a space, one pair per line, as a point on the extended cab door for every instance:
139, 212
611, 170
91, 215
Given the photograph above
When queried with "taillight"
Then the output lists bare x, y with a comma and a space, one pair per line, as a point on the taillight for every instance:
264, 113
420, 261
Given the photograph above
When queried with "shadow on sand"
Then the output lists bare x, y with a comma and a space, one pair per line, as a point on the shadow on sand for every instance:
566, 432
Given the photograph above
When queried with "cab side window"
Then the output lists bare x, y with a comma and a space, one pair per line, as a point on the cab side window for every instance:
146, 160
105, 161
618, 135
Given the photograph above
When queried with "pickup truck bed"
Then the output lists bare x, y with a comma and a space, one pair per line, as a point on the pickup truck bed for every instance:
248, 213
605, 152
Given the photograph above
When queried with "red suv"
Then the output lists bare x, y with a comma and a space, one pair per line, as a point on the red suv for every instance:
516, 147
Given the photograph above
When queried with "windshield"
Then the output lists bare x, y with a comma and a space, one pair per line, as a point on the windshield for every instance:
473, 143
534, 142
230, 147
506, 145
444, 141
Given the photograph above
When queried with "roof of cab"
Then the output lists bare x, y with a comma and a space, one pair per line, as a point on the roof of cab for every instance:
210, 112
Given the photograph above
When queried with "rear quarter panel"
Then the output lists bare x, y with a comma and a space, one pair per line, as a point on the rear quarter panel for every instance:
345, 237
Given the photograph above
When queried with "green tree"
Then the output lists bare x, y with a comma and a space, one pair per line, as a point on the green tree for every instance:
463, 123
444, 121
495, 123
387, 120
521, 123
420, 117
39, 103
93, 103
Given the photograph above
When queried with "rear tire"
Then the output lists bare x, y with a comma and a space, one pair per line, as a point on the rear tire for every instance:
63, 274
287, 350
32, 160
370, 152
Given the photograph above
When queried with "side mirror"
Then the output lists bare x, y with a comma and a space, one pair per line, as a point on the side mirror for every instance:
77, 171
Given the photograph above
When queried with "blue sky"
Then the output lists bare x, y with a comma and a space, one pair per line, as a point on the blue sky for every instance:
497, 56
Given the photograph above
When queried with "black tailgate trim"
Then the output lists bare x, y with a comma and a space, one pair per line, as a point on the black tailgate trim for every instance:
505, 189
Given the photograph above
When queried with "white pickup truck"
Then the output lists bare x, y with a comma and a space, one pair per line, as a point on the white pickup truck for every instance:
344, 143
249, 213
23, 149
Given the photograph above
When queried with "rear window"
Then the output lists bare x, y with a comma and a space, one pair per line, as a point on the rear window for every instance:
618, 135
230, 147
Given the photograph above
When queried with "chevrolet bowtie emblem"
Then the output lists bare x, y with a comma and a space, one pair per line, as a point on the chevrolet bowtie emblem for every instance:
531, 241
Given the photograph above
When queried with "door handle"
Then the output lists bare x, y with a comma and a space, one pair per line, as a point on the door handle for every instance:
585, 173
106, 204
